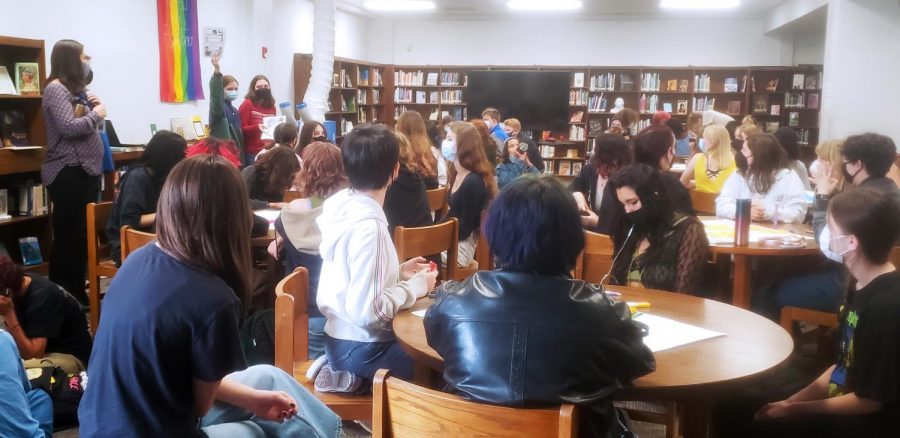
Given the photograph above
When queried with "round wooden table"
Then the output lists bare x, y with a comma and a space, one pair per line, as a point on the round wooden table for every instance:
690, 374
741, 290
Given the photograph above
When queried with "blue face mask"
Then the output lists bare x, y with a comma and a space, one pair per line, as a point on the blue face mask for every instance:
701, 144
231, 95
448, 149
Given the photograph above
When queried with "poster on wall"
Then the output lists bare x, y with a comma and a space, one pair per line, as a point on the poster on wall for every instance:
179, 51
213, 41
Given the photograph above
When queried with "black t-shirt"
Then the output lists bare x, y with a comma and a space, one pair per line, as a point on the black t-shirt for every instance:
48, 311
406, 202
868, 362
164, 324
138, 195
467, 203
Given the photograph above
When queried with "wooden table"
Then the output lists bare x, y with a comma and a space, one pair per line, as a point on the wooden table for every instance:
741, 290
689, 374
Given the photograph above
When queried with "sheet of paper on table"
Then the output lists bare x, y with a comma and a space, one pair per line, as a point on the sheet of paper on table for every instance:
420, 313
666, 333
270, 214
722, 231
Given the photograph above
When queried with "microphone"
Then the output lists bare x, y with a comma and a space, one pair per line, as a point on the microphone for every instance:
616, 257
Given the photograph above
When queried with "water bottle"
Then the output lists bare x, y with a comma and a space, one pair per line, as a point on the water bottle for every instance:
288, 112
305, 115
742, 222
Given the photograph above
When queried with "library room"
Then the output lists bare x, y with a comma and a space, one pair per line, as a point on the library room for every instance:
450, 218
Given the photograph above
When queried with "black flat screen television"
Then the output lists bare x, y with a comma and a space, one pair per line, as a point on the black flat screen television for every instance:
539, 99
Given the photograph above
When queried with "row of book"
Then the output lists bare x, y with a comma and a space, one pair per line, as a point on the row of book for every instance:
452, 78
703, 103
801, 100
451, 96
650, 82
702, 83
597, 103
603, 82
576, 133
578, 98
25, 199
363, 96
650, 105
563, 167
341, 79
363, 77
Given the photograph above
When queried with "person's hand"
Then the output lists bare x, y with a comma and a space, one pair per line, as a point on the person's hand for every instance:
92, 98
580, 202
277, 205
6, 306
430, 277
215, 62
262, 128
589, 218
758, 211
273, 405
100, 110
779, 409
272, 249
825, 183
411, 266
524, 157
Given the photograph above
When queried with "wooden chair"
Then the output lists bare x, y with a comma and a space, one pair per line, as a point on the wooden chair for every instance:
133, 239
99, 263
596, 259
403, 409
439, 202
483, 255
292, 344
703, 202
290, 195
426, 241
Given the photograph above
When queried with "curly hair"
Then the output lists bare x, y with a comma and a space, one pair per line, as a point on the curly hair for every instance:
413, 127
323, 170
276, 171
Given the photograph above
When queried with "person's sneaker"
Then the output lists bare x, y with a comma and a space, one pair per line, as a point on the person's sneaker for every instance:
315, 367
329, 380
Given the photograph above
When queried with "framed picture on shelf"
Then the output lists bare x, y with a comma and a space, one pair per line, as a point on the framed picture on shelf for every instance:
683, 86
797, 82
576, 168
565, 168
734, 107
812, 101
811, 82
627, 82
772, 85
672, 85
760, 104
28, 82
776, 110
681, 107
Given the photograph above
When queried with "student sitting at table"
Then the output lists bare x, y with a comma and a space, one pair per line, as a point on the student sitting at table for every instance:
594, 196
858, 396
708, 170
665, 248
298, 237
655, 147
139, 188
579, 349
270, 177
790, 142
362, 285
776, 191
406, 200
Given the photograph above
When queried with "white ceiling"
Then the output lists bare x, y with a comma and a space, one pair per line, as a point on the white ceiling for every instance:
593, 8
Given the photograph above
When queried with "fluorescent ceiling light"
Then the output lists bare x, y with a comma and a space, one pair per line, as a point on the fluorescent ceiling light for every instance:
544, 5
699, 4
399, 5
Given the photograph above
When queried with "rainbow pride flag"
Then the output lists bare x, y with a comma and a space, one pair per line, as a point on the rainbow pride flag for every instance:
179, 51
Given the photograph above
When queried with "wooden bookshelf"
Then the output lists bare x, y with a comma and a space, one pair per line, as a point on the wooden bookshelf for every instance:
18, 167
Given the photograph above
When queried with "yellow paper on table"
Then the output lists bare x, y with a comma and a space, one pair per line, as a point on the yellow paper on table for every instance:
720, 231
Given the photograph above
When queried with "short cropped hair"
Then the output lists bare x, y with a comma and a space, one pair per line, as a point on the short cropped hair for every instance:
534, 227
370, 153
494, 113
871, 215
514, 124
876, 152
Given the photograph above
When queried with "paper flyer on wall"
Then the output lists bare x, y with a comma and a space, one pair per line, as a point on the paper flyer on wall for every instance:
213, 41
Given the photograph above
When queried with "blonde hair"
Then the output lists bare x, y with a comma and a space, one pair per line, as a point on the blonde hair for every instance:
748, 130
719, 145
407, 152
514, 124
829, 151
748, 120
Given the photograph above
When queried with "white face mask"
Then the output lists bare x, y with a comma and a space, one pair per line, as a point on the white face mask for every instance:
701, 144
825, 239
448, 149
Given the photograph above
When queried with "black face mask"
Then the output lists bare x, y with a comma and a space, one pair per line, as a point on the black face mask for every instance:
638, 218
847, 176
322, 138
264, 94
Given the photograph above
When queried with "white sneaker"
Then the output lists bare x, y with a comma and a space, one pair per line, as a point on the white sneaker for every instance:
315, 367
329, 380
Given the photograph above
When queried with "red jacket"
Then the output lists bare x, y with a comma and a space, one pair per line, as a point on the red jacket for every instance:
251, 117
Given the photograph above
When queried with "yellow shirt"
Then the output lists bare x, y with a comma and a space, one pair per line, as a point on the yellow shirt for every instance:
710, 181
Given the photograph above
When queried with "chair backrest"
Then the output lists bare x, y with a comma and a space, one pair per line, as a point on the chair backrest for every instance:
404, 409
430, 240
290, 195
596, 259
439, 201
133, 239
483, 254
292, 320
98, 244
703, 202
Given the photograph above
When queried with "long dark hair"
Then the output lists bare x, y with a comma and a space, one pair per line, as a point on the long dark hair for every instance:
163, 152
470, 154
648, 185
768, 159
653, 143
66, 65
788, 140
611, 153
203, 219
257, 100
306, 135
276, 170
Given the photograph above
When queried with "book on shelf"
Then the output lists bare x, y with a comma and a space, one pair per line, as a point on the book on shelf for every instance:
772, 85
576, 168
794, 100
702, 83
812, 101
406, 78
344, 106
771, 127
775, 110
731, 85
578, 97
734, 108
681, 107
13, 129
31, 199
596, 126
704, 103
603, 82
336, 80
31, 251
760, 104
667, 107
363, 77
650, 82
571, 153
432, 79
565, 168
672, 85
793, 119
744, 84
576, 133
683, 86
811, 82
6, 84
450, 78
434, 97
648, 104
597, 103
377, 81
797, 81
803, 135
27, 81
627, 82
577, 117
4, 204
578, 80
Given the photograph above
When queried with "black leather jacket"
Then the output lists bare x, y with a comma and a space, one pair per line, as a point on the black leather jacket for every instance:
526, 340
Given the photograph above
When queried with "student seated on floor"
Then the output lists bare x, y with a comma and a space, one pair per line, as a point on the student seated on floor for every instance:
46, 322
858, 396
526, 334
26, 412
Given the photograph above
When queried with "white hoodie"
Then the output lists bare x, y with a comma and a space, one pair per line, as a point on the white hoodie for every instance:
787, 193
360, 289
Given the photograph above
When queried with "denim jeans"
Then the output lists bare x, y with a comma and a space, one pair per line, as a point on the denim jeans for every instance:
313, 418
316, 337
25, 411
821, 291
365, 358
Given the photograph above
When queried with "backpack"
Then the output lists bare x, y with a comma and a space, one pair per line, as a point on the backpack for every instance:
64, 389
258, 337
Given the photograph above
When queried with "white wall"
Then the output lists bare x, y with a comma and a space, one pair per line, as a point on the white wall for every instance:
620, 41
809, 49
860, 87
121, 37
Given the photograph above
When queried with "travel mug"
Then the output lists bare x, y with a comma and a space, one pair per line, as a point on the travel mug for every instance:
742, 222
